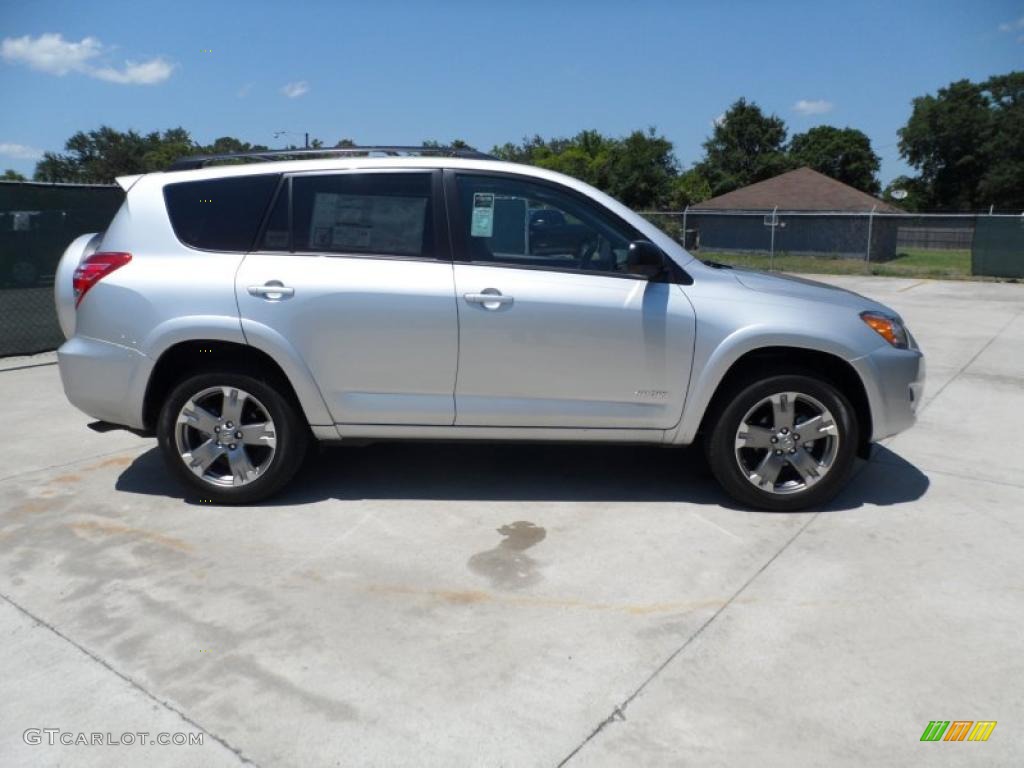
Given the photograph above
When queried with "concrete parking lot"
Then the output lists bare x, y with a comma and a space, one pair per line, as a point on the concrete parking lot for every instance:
527, 605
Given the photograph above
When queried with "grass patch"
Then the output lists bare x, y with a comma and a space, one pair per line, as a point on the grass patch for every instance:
910, 262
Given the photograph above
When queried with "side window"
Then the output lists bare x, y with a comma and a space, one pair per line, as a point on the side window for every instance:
276, 235
517, 221
388, 214
219, 214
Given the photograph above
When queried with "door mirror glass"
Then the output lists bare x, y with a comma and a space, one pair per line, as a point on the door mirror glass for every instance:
645, 258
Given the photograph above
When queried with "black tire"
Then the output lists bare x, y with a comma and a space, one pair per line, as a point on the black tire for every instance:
291, 431
720, 443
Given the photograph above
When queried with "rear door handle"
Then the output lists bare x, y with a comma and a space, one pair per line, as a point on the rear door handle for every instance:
273, 290
489, 298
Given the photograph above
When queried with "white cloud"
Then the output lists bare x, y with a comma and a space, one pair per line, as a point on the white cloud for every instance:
813, 106
1010, 26
244, 90
136, 73
720, 120
294, 90
20, 151
52, 54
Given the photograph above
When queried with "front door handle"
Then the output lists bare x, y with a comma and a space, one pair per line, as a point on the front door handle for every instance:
272, 290
490, 298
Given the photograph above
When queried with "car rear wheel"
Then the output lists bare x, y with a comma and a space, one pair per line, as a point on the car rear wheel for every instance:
231, 438
785, 443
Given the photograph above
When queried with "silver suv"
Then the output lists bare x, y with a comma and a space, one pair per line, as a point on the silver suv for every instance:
241, 309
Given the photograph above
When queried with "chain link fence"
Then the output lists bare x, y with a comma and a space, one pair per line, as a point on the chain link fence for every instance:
37, 222
909, 245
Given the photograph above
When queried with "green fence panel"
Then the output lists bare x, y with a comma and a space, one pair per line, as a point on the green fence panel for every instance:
37, 222
998, 249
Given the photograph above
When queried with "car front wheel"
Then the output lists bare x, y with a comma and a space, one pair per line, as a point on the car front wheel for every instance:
231, 438
785, 443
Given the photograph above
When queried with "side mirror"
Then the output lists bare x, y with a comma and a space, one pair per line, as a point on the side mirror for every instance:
645, 258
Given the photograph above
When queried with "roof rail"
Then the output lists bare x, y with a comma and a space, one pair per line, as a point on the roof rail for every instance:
192, 162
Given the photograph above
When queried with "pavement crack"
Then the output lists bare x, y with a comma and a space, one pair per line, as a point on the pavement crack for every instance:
109, 667
969, 363
618, 714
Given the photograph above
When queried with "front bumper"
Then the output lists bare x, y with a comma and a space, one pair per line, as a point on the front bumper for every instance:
106, 381
894, 382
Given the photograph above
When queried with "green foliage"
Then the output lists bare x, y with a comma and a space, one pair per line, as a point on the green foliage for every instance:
746, 146
689, 188
845, 154
12, 175
967, 142
639, 169
916, 193
101, 155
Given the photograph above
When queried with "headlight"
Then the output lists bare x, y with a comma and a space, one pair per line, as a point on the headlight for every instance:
889, 328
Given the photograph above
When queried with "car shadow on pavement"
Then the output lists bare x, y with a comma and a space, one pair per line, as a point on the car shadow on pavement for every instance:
527, 472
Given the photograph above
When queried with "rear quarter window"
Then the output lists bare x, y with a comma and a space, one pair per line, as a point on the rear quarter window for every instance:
219, 214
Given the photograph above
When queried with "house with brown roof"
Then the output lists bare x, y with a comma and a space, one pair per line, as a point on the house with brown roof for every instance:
743, 220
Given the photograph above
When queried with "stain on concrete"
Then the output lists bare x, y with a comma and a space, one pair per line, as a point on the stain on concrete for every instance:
507, 566
92, 528
69, 478
480, 597
115, 461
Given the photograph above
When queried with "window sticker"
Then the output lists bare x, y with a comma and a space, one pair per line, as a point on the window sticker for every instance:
368, 223
483, 215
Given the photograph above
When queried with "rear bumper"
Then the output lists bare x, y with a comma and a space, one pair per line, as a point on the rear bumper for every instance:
104, 380
894, 382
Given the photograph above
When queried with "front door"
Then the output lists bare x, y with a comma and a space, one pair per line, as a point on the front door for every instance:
553, 331
353, 271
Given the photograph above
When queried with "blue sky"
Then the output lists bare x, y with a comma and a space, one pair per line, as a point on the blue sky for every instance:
396, 73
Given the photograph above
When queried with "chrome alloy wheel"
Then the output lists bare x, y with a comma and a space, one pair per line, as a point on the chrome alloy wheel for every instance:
786, 443
225, 436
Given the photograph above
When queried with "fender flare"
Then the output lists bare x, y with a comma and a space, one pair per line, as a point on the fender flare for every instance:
709, 372
229, 328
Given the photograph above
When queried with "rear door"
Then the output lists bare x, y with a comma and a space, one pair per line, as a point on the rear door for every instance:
353, 270
553, 330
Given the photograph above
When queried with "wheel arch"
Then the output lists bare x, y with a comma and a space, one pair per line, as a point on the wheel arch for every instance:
769, 360
197, 355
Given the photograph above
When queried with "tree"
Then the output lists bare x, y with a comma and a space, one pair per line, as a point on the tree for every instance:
911, 193
746, 146
638, 169
1002, 184
967, 143
101, 155
12, 175
845, 154
641, 170
689, 188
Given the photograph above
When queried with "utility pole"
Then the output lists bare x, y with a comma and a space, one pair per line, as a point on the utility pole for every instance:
871, 219
307, 140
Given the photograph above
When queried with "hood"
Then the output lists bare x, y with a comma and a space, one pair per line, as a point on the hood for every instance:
809, 290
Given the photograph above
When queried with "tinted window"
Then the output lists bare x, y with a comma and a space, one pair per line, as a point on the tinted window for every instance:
219, 214
380, 213
516, 221
277, 237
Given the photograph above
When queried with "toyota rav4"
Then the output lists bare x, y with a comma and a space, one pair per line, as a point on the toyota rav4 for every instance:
241, 310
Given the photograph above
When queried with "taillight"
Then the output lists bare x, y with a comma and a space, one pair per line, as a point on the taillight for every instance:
95, 268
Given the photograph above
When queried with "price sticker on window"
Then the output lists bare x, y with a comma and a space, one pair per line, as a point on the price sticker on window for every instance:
483, 214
